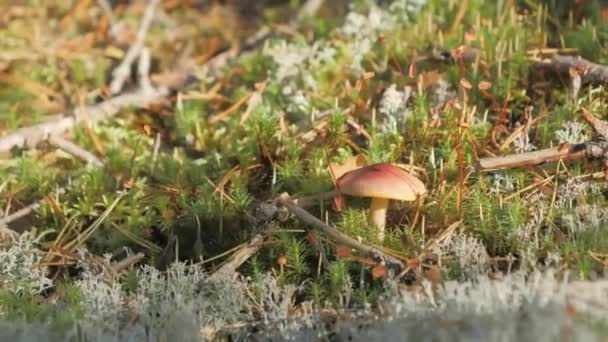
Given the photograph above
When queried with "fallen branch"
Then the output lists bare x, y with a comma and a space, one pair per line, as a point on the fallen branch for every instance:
239, 257
122, 72
23, 212
143, 70
594, 149
590, 73
33, 135
125, 263
74, 150
337, 236
527, 159
264, 214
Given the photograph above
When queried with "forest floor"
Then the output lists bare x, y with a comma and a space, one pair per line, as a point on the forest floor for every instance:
172, 170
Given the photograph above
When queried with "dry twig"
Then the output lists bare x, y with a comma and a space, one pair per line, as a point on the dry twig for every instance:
590, 73
125, 263
527, 159
122, 72
74, 150
597, 148
239, 257
143, 70
285, 201
33, 135
23, 212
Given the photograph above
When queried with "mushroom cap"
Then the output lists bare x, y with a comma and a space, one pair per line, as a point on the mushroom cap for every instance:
381, 181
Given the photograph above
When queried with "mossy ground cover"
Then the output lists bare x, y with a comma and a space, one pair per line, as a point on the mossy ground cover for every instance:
181, 179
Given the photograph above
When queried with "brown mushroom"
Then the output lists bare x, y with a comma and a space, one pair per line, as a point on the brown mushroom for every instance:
382, 182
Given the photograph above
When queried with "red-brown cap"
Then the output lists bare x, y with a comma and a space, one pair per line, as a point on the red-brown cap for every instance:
381, 181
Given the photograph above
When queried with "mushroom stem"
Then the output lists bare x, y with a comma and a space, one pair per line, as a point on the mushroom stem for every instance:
377, 214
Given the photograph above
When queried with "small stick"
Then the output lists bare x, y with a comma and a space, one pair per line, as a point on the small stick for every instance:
264, 213
74, 150
532, 158
143, 70
67, 146
25, 211
121, 73
594, 149
593, 73
33, 135
156, 149
239, 257
125, 263
336, 235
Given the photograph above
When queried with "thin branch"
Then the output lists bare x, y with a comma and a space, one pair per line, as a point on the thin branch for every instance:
143, 70
262, 217
25, 211
74, 150
7, 234
527, 159
33, 135
122, 72
285, 201
239, 257
590, 73
156, 149
125, 263
593, 149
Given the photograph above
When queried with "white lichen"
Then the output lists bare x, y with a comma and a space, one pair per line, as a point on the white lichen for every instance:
572, 132
20, 269
393, 107
470, 253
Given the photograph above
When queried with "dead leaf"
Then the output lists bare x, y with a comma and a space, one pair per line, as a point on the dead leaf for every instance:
484, 85
313, 238
368, 75
378, 271
465, 84
343, 252
350, 164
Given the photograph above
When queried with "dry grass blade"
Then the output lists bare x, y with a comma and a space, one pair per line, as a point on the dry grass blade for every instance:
78, 240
